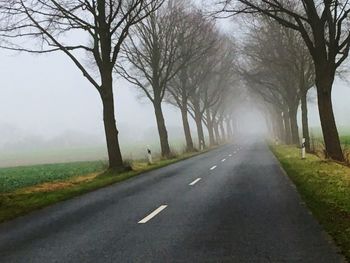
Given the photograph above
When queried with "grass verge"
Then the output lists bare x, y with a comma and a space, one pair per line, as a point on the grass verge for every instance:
325, 187
25, 200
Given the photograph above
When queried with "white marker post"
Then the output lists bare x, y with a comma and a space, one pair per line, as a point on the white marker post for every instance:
303, 155
149, 155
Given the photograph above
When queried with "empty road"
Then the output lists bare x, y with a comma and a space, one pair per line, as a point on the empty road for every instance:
233, 204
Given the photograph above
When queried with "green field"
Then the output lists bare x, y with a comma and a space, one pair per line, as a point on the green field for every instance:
18, 177
345, 140
318, 146
344, 133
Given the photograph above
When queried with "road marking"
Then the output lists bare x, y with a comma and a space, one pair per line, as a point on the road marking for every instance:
195, 181
213, 167
153, 214
230, 155
223, 160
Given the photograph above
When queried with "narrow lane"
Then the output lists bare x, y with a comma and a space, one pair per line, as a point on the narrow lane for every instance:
243, 210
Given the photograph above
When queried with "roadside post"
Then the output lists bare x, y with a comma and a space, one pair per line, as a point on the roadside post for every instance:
303, 156
149, 155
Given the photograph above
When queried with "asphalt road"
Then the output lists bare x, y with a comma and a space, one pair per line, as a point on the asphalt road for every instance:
233, 204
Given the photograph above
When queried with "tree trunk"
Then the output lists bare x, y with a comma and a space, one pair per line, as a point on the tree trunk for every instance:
287, 128
294, 125
272, 119
325, 69
187, 130
233, 128
281, 129
329, 128
162, 131
216, 131
270, 125
210, 128
229, 129
113, 148
304, 119
200, 132
222, 129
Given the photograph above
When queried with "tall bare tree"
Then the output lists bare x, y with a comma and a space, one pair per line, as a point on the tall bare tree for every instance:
155, 56
325, 28
102, 27
263, 81
304, 71
285, 65
198, 33
221, 89
270, 69
199, 78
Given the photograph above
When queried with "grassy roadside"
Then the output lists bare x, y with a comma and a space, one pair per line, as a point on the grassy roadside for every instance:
25, 200
325, 187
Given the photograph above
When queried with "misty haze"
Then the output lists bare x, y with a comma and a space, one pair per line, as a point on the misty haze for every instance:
174, 131
50, 118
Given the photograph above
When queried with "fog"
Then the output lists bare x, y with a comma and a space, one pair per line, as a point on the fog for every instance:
51, 113
47, 105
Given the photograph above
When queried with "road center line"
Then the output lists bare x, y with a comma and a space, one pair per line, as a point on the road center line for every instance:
213, 167
223, 160
195, 181
153, 214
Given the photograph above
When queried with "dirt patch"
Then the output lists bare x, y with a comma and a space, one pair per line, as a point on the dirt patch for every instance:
53, 186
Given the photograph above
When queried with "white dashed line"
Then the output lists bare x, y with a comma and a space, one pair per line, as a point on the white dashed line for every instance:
195, 181
223, 160
153, 214
213, 167
230, 155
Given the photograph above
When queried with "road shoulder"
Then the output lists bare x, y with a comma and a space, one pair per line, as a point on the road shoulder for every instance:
325, 188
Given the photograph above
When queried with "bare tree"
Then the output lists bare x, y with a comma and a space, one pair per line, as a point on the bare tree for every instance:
155, 57
199, 78
303, 68
272, 85
102, 27
223, 111
198, 33
221, 94
277, 53
262, 81
210, 97
324, 27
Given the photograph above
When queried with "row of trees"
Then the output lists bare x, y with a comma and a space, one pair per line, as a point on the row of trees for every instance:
177, 56
278, 69
172, 53
324, 28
